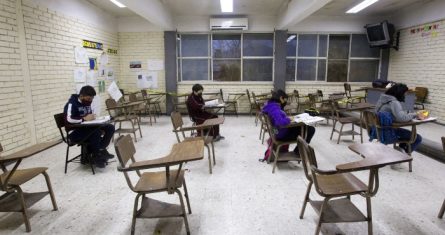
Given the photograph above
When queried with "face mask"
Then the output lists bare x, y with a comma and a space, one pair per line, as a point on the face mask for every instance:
86, 102
283, 104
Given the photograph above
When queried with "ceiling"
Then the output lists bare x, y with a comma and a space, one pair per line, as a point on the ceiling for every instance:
261, 7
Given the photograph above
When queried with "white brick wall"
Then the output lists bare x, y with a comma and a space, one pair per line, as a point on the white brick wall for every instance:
14, 132
420, 61
140, 46
50, 41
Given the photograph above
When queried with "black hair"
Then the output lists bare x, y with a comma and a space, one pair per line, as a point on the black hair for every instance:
277, 94
398, 91
87, 91
197, 87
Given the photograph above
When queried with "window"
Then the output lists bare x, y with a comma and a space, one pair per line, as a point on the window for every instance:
338, 55
225, 57
364, 61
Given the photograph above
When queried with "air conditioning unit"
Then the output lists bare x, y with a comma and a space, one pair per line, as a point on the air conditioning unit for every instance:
228, 24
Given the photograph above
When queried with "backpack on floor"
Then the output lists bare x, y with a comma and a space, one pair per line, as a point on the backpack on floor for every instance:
268, 153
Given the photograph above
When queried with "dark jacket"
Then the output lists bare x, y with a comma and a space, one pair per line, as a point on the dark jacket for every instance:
195, 106
278, 118
74, 111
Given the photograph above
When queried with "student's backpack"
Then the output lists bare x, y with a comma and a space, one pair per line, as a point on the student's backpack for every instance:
268, 153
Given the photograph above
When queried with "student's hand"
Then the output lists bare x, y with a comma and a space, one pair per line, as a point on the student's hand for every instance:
422, 114
89, 117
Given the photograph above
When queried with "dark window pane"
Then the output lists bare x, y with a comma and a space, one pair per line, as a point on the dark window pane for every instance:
321, 70
290, 70
307, 45
338, 47
194, 45
322, 45
226, 46
195, 69
258, 44
360, 47
337, 70
306, 69
363, 70
257, 69
291, 44
226, 70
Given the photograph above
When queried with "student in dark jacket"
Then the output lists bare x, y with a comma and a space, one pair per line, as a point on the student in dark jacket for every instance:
274, 109
78, 110
195, 107
391, 102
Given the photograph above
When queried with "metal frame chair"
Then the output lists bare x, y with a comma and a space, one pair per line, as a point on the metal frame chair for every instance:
120, 115
421, 94
442, 209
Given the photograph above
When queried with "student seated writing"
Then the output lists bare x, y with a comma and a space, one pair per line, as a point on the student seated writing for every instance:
274, 109
78, 110
390, 102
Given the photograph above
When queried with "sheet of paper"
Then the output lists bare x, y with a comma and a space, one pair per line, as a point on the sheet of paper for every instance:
114, 92
142, 82
211, 103
308, 119
110, 73
103, 59
425, 120
80, 74
98, 120
92, 78
80, 55
152, 78
155, 65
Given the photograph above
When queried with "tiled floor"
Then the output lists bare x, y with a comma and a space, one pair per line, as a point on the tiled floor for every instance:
242, 196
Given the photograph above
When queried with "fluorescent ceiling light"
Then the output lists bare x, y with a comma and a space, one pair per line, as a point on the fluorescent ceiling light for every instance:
117, 3
226, 5
361, 6
291, 37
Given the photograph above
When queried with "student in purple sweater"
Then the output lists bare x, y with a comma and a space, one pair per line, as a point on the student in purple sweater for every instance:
274, 110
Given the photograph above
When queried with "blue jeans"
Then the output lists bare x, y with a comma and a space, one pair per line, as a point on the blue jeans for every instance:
403, 134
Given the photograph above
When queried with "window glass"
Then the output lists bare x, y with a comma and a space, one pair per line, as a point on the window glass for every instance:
291, 44
257, 69
226, 70
363, 70
258, 44
338, 46
195, 69
306, 69
226, 46
337, 70
360, 47
307, 45
321, 75
322, 45
194, 45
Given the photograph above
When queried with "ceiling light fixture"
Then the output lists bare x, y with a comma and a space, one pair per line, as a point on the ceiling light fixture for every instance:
361, 6
117, 3
226, 5
291, 37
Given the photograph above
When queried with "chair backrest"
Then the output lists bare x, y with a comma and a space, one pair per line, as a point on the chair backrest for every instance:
248, 96
269, 127
133, 98
111, 104
371, 120
144, 93
221, 94
421, 94
347, 89
176, 118
308, 158
313, 98
125, 151
60, 121
443, 143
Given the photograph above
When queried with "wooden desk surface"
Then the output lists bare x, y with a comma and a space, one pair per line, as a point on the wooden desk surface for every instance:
180, 153
375, 155
129, 104
360, 106
29, 151
212, 122
411, 123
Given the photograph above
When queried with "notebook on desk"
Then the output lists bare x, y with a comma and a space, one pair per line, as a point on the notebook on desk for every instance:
425, 120
212, 103
98, 120
308, 119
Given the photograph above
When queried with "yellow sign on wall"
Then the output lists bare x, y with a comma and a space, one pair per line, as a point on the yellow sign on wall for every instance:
92, 45
112, 51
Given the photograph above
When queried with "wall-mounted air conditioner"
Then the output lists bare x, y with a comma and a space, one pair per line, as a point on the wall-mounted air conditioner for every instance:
228, 24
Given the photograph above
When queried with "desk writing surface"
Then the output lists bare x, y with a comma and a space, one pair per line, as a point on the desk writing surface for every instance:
375, 155
29, 151
360, 106
413, 122
212, 122
180, 153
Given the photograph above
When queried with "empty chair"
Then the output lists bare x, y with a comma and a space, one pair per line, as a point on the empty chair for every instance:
352, 98
342, 121
231, 102
178, 128
252, 106
421, 94
168, 180
138, 110
149, 106
14, 199
121, 114
331, 185
60, 121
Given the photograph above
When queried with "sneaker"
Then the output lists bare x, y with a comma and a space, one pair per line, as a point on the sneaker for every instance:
106, 154
218, 138
99, 163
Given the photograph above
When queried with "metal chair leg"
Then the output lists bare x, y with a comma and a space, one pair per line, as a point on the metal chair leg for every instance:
135, 209
442, 210
50, 190
183, 212
306, 199
186, 195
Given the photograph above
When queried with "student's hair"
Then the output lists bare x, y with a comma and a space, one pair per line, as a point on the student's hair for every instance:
277, 94
398, 91
87, 91
197, 87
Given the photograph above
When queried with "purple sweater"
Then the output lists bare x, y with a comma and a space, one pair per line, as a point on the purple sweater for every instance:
278, 118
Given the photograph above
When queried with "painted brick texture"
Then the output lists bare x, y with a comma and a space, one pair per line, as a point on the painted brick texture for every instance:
420, 62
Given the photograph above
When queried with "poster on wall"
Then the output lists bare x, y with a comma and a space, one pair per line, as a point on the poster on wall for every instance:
142, 82
80, 75
155, 65
93, 63
152, 78
135, 64
147, 80
103, 59
110, 73
80, 55
92, 78
102, 70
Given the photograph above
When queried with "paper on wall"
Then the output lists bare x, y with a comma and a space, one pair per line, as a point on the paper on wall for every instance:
103, 59
102, 70
152, 79
80, 74
92, 78
155, 65
80, 55
110, 73
114, 92
142, 82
